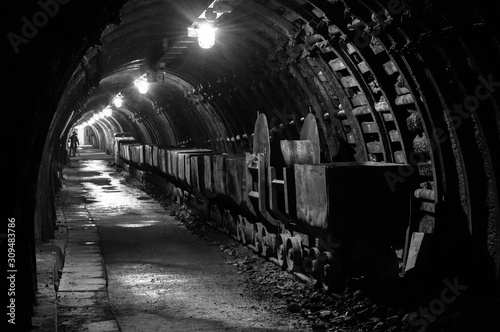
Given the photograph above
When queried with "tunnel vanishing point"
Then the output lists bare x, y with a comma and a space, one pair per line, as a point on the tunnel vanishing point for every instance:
332, 125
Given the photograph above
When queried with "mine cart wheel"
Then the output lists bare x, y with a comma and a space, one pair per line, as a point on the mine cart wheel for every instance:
294, 254
281, 250
270, 241
231, 226
213, 215
312, 264
265, 241
329, 272
240, 229
226, 221
257, 237
216, 217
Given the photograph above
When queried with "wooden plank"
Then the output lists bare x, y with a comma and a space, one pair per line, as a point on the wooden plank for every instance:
369, 127
399, 157
404, 99
349, 82
390, 68
394, 135
337, 64
428, 207
401, 90
375, 147
363, 67
388, 117
361, 110
359, 99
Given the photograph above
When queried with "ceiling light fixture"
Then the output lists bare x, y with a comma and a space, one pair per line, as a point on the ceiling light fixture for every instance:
206, 34
107, 111
205, 26
118, 100
142, 84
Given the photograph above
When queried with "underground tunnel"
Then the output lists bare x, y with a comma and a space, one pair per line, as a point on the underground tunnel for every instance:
352, 146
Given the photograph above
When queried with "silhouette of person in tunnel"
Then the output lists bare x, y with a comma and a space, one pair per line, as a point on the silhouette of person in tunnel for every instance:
73, 144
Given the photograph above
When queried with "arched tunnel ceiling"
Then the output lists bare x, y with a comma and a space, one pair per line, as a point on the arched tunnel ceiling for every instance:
152, 34
126, 50
267, 53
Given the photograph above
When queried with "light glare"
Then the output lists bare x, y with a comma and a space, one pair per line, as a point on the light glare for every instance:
206, 35
142, 85
118, 101
107, 111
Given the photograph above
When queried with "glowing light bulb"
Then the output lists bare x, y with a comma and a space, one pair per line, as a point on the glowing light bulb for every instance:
101, 115
118, 100
206, 35
96, 116
107, 111
142, 85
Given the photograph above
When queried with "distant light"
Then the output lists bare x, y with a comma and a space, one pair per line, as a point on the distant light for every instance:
96, 116
107, 111
142, 84
91, 121
102, 115
118, 100
206, 34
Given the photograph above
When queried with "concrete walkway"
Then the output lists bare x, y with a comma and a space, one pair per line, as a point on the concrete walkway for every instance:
82, 294
130, 266
161, 277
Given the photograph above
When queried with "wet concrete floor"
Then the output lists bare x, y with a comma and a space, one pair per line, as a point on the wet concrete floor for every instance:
160, 276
